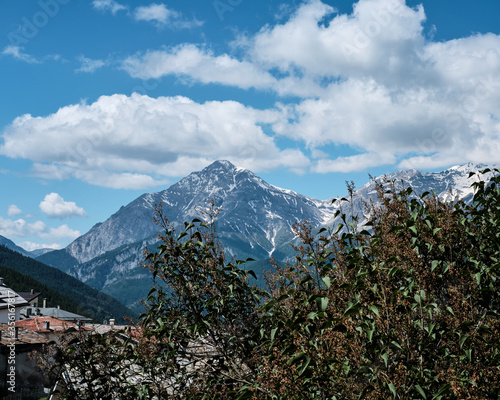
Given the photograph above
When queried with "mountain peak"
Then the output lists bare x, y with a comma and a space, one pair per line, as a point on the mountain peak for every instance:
221, 166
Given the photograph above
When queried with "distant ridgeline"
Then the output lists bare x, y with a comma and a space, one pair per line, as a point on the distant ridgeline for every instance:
23, 274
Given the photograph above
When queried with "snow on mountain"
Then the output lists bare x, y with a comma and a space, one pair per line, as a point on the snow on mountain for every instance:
249, 206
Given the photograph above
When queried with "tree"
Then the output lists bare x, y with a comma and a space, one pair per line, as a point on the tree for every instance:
407, 308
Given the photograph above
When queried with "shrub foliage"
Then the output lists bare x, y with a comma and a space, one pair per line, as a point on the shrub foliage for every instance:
406, 308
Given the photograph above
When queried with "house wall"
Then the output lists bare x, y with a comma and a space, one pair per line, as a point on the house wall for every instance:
4, 315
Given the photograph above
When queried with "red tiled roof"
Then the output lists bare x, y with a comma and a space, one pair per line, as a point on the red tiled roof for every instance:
24, 336
36, 324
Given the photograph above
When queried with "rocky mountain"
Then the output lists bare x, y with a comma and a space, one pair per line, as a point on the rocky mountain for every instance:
255, 220
253, 211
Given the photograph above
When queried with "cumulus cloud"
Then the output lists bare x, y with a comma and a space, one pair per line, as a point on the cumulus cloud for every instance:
13, 210
20, 228
369, 81
162, 16
387, 93
138, 141
56, 207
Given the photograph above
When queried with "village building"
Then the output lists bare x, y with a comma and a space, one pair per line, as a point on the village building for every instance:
11, 304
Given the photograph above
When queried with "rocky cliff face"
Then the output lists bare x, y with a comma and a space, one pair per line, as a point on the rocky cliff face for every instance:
250, 208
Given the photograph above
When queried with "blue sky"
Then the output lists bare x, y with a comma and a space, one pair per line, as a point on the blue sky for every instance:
103, 100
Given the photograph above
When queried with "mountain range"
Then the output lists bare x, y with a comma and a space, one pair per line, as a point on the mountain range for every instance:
255, 220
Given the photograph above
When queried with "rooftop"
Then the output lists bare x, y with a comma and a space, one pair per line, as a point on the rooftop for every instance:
38, 324
9, 296
28, 296
54, 312
24, 336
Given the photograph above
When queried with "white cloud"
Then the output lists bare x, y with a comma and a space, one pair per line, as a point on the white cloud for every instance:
89, 65
30, 246
199, 65
20, 228
161, 16
108, 5
13, 210
56, 207
137, 141
369, 81
355, 163
320, 43
61, 232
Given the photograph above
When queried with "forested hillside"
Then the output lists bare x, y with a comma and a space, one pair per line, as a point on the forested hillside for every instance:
24, 283
88, 301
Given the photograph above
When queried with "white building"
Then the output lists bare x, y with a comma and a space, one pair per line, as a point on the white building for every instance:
10, 304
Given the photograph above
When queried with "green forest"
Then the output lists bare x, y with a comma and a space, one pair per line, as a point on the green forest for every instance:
400, 303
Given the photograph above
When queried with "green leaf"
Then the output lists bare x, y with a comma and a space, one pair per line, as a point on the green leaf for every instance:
326, 281
421, 391
322, 303
468, 354
392, 389
374, 309
441, 391
296, 358
385, 357
351, 309
463, 339
273, 333
304, 367
250, 272
397, 345
245, 394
